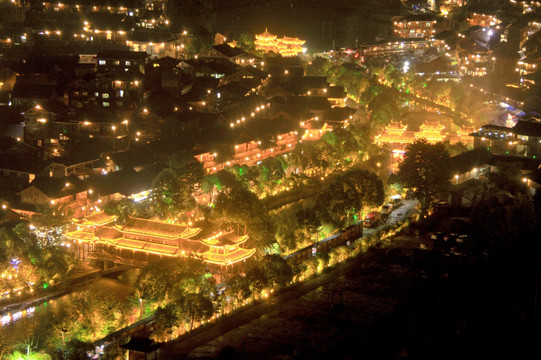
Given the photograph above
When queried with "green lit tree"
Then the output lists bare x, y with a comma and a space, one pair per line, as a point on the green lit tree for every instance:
384, 109
170, 196
246, 42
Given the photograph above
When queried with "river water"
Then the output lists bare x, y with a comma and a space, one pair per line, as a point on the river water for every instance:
18, 324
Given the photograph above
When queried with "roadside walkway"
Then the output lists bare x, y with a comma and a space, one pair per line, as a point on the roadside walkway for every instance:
180, 348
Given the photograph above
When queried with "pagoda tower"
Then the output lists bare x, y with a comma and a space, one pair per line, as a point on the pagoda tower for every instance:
432, 131
266, 41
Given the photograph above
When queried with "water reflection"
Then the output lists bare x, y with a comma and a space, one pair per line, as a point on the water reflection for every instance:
21, 323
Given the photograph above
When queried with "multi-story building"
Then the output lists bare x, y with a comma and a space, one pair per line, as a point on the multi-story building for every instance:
527, 66
524, 139
414, 26
127, 7
483, 20
122, 61
114, 90
155, 43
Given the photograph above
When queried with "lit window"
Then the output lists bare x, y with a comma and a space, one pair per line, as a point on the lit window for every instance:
105, 95
105, 104
101, 62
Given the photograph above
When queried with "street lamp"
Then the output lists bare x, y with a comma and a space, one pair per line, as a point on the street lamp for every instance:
126, 122
114, 136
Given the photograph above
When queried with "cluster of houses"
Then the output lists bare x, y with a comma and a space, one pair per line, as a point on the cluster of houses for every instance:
87, 122
90, 116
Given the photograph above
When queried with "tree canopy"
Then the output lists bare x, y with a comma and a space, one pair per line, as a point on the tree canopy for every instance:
425, 169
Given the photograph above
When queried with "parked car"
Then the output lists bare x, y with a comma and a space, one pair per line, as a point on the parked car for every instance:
386, 209
372, 220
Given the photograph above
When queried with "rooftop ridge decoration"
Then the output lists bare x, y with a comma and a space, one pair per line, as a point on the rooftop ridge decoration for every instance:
431, 131
96, 219
225, 239
139, 226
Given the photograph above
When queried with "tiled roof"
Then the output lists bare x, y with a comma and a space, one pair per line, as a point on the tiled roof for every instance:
469, 160
229, 51
224, 239
151, 36
229, 258
528, 128
56, 188
97, 218
22, 164
122, 55
156, 228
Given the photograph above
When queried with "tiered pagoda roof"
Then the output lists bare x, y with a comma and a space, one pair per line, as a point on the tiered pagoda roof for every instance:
224, 239
95, 219
396, 133
286, 46
432, 131
155, 237
144, 227
229, 258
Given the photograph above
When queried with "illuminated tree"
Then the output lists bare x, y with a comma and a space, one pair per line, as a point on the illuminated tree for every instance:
26, 261
425, 170
276, 269
348, 193
239, 287
6, 345
384, 109
240, 207
167, 319
76, 349
187, 168
196, 307
170, 195
319, 67
93, 315
309, 220
343, 143
308, 156
170, 279
122, 208
246, 42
